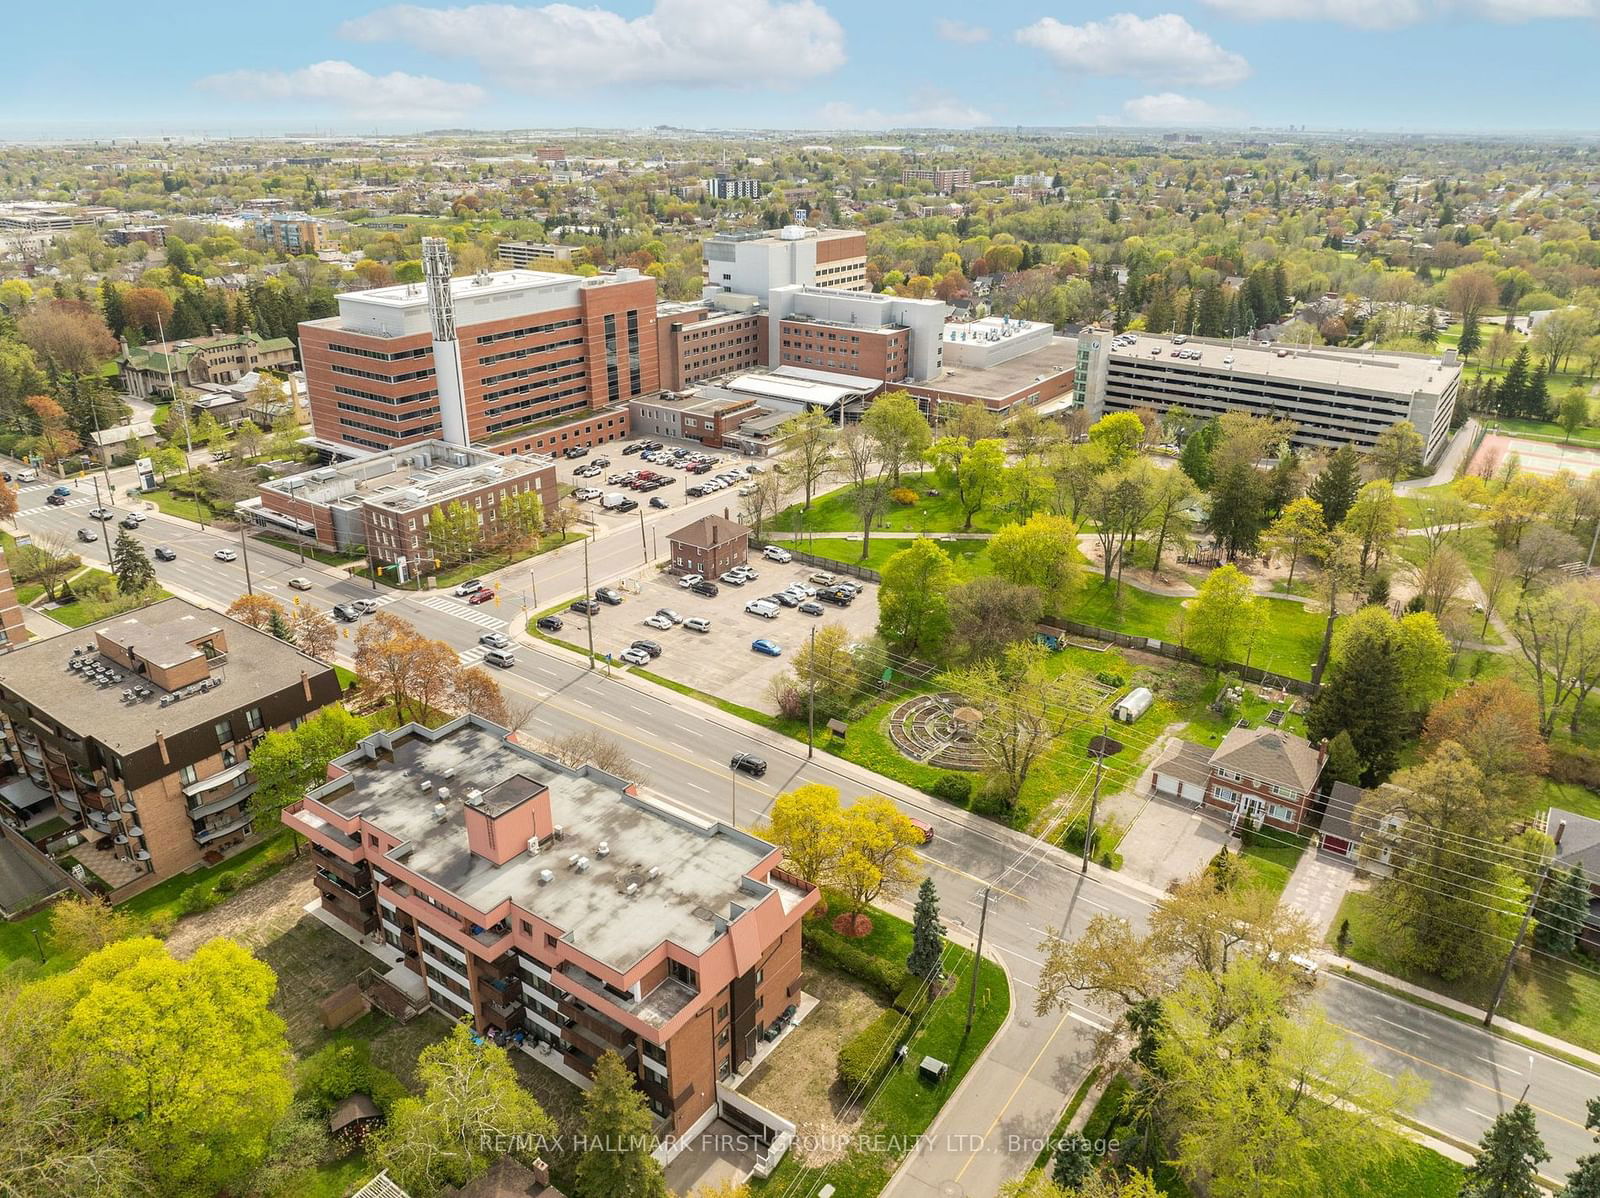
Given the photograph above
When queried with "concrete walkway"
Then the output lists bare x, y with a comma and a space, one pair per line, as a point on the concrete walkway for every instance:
1449, 461
1316, 888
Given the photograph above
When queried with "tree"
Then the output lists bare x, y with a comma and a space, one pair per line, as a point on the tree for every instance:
55, 437
824, 667
1343, 763
869, 487
1120, 506
1223, 616
593, 747
1541, 550
898, 431
1025, 710
1174, 493
1471, 337
1246, 440
1508, 1158
1375, 519
1558, 635
927, 933
1397, 450
1195, 457
1337, 486
1073, 470
1120, 434
1238, 508
973, 470
255, 610
470, 1108
519, 519
988, 613
314, 633
278, 625
1363, 692
68, 336
1469, 290
80, 926
1440, 578
879, 852
808, 825
1497, 579
473, 691
1561, 911
392, 654
290, 760
617, 1125
1424, 660
1573, 413
131, 566
807, 440
1559, 334
913, 597
1041, 553
186, 1055
1497, 723
1299, 527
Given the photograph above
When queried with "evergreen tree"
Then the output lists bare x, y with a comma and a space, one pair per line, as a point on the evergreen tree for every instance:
1224, 870
1238, 509
1536, 405
1074, 1164
1508, 1160
1561, 910
927, 933
130, 564
1488, 396
1283, 483
278, 625
1338, 485
1513, 391
111, 307
617, 1123
1584, 1180
1343, 763
1471, 337
1195, 458
1160, 315
1428, 330
1363, 696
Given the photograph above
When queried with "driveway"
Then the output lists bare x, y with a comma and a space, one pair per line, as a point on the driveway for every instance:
1317, 887
1167, 841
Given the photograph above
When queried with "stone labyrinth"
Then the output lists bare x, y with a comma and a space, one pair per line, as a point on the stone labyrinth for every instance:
937, 729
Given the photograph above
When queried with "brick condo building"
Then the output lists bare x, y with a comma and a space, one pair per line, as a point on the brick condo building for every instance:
558, 907
548, 361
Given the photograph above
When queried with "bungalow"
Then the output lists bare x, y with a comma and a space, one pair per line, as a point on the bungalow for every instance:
1577, 839
1262, 775
1341, 837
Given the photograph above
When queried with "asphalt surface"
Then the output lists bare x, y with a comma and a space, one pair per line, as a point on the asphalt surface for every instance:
989, 1132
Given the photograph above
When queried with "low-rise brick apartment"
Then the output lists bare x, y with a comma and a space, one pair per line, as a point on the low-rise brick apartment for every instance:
560, 908
140, 729
712, 545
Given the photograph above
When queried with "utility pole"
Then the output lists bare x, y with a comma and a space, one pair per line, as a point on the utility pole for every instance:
1094, 799
588, 598
244, 545
188, 440
533, 583
977, 962
105, 526
811, 697
644, 545
299, 537
1516, 947
733, 796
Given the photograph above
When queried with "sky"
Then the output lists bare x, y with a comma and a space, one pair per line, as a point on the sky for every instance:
98, 68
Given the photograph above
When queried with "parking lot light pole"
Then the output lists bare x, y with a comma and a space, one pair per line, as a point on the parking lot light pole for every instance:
811, 697
644, 545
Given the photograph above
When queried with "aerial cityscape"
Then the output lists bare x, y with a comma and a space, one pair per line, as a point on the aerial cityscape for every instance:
629, 602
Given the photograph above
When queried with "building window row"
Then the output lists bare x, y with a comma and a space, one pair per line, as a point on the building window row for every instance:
394, 417
346, 422
408, 376
417, 397
522, 413
490, 338
577, 376
530, 350
531, 371
398, 355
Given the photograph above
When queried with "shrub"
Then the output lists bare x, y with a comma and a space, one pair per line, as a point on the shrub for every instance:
952, 788
914, 997
196, 899
867, 1055
1110, 678
345, 1067
885, 977
161, 924
904, 496
1575, 764
227, 883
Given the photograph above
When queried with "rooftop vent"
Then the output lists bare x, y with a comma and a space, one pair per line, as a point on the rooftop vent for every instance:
573, 860
655, 872
603, 849
475, 797
426, 786
440, 812
583, 865
546, 877
559, 833
444, 794
633, 889
533, 846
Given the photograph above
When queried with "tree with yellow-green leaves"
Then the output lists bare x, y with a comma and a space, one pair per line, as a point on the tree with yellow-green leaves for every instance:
1298, 529
1222, 616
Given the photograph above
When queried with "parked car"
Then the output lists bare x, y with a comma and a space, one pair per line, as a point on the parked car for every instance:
346, 613
823, 579
732, 579
502, 659
165, 553
811, 608
575, 451
627, 505
785, 599
748, 763
299, 584
601, 462
653, 648
495, 640
704, 588
225, 555
549, 624
583, 493
482, 596
835, 597
670, 616
801, 590
764, 608
767, 648
86, 535
587, 607
658, 622
636, 657
775, 553
697, 624
657, 502
688, 581
609, 595
627, 449
749, 573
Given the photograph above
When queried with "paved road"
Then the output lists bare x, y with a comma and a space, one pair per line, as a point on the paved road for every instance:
684, 748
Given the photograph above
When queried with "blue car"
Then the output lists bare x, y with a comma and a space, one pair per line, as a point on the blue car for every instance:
770, 648
62, 491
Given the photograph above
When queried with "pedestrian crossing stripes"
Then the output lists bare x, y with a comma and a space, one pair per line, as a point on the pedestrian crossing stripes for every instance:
462, 612
472, 656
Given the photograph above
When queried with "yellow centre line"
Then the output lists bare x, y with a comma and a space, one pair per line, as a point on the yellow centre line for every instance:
1460, 1077
1010, 1098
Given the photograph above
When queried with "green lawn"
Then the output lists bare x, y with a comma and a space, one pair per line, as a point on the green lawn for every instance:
478, 565
1566, 795
834, 512
1559, 997
904, 1105
1545, 430
310, 549
970, 556
182, 506
1271, 856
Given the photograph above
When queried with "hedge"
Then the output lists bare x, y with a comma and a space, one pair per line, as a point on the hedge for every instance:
882, 976
1575, 764
952, 788
867, 1055
914, 996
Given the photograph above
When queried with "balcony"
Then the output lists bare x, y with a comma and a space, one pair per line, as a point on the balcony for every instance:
352, 889
655, 1008
220, 778
232, 799
595, 1027
217, 831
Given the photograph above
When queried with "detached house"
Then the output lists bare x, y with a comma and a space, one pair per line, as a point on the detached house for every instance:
1256, 775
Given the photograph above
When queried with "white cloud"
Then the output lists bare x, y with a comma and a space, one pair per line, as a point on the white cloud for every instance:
352, 90
960, 32
704, 43
931, 110
1165, 48
1169, 108
1396, 14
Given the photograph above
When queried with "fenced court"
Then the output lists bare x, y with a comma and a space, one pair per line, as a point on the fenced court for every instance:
1537, 457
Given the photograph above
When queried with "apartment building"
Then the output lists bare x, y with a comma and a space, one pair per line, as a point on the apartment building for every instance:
560, 908
697, 341
147, 370
724, 187
292, 232
140, 728
12, 630
546, 361
524, 255
942, 180
752, 264
151, 235
1335, 397
383, 500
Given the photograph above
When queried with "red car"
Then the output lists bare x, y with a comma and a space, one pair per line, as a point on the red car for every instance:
482, 596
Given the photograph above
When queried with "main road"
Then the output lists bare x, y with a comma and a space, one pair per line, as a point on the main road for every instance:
683, 746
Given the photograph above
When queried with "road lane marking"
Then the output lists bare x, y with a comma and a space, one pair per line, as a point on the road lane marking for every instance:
1499, 1066
1410, 1031
1479, 1114
1017, 1089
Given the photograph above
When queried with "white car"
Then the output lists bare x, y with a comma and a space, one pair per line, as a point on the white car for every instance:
225, 555
636, 657
762, 608
697, 624
774, 554
688, 580
801, 590
586, 493
660, 622
748, 489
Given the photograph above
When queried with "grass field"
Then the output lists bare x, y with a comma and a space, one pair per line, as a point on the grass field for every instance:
478, 565
1270, 858
834, 512
1544, 430
971, 557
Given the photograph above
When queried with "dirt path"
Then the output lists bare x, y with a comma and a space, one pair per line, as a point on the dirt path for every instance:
253, 917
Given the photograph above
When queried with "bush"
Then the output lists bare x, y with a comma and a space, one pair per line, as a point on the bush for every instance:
1575, 764
885, 977
227, 883
904, 496
1110, 678
161, 924
867, 1055
952, 788
196, 899
338, 1070
914, 997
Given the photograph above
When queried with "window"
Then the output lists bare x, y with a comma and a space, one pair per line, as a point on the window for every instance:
224, 732
722, 1038
683, 973
372, 840
527, 928
188, 774
252, 719
722, 1012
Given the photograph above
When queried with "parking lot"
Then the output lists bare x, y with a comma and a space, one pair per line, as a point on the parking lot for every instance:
672, 469
720, 662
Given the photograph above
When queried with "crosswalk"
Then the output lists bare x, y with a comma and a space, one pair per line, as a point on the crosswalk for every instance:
462, 612
472, 656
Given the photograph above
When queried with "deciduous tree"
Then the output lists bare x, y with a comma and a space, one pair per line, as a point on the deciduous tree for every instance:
1121, 435
1223, 616
1397, 450
913, 597
1041, 553
808, 439
1025, 710
988, 613
80, 926
255, 610
807, 823
974, 471
593, 747
1298, 528
898, 432
1374, 520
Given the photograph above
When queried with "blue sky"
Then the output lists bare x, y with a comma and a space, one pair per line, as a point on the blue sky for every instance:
98, 68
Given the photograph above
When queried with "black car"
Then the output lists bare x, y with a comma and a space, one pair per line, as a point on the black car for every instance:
649, 647
836, 597
56, 500
86, 536
657, 502
165, 553
708, 589
628, 449
129, 523
609, 595
748, 763
549, 624
810, 608
575, 451
785, 599
601, 462
585, 607
627, 505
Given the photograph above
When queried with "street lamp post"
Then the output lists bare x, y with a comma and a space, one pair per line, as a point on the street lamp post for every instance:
188, 439
106, 529
299, 537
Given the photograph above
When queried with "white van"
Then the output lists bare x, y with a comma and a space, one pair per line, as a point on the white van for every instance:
614, 499
762, 608
27, 475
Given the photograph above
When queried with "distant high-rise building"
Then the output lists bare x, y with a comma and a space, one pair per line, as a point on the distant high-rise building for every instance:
722, 187
943, 180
